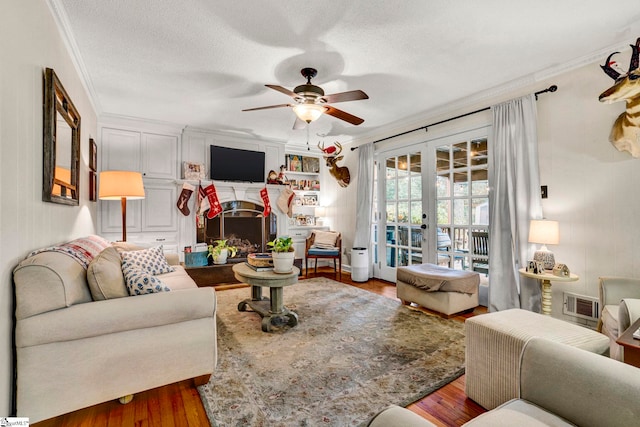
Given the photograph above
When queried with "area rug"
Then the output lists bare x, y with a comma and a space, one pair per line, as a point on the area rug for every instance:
351, 354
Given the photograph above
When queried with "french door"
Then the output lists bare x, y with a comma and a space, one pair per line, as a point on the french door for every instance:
432, 204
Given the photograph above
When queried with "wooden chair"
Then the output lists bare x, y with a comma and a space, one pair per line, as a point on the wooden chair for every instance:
480, 240
324, 252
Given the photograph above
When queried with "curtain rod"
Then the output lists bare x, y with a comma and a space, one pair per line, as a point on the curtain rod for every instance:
551, 88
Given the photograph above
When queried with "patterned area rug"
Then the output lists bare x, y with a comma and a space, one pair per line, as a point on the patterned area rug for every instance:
352, 354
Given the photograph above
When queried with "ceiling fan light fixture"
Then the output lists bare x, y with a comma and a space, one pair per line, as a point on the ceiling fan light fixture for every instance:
308, 112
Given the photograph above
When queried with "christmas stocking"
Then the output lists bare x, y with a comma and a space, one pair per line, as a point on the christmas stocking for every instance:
203, 205
183, 199
215, 208
265, 199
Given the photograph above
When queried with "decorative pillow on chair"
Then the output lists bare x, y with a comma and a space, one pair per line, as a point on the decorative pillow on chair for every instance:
104, 276
139, 282
325, 239
151, 260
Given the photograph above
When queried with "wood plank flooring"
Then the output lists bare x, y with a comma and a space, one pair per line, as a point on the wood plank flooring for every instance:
179, 404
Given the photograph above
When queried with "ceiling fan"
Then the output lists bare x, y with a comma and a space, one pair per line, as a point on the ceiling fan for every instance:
311, 102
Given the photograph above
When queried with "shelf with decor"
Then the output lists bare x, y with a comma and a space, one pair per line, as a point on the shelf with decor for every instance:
304, 175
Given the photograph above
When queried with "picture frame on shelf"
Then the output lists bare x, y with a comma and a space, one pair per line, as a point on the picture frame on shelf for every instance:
310, 199
315, 185
310, 164
294, 184
310, 220
294, 163
193, 171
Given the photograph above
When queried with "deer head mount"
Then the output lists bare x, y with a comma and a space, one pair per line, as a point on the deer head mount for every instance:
625, 134
331, 157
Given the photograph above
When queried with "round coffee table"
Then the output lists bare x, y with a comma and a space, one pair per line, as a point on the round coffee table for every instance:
272, 310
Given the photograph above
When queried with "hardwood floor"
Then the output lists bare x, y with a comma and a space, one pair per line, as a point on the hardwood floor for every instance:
179, 404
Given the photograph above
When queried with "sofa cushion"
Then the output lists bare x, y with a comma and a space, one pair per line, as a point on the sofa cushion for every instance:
105, 277
140, 282
151, 260
178, 279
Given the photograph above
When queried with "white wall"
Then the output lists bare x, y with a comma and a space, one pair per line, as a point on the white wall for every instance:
592, 187
32, 42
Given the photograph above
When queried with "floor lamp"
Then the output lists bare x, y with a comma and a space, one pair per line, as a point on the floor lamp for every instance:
121, 185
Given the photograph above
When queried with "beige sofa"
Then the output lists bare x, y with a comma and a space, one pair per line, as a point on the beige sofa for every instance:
560, 385
77, 347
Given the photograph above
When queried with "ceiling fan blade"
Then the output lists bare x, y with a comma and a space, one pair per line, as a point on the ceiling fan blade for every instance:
268, 107
342, 115
299, 124
283, 90
352, 95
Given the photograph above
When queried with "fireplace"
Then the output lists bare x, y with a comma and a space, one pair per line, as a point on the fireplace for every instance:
243, 225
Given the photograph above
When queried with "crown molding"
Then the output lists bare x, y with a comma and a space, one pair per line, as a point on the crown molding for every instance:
62, 21
504, 90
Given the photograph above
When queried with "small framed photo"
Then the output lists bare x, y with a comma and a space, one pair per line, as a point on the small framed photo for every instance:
93, 186
295, 164
310, 164
193, 171
310, 200
531, 267
539, 267
93, 155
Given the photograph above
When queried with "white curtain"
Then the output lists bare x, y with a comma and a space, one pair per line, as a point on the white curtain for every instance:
513, 200
364, 200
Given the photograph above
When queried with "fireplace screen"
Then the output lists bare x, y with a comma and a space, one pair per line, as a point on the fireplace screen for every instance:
242, 224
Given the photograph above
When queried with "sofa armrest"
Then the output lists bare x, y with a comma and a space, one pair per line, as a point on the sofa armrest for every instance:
628, 312
574, 384
172, 258
396, 416
116, 315
614, 289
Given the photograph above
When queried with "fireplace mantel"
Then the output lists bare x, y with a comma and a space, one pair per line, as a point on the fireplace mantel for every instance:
230, 191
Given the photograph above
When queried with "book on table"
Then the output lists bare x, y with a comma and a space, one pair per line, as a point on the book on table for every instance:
255, 268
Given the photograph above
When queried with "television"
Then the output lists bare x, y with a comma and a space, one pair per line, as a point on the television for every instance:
234, 164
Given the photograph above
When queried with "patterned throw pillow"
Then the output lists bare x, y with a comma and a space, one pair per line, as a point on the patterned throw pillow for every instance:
140, 282
151, 260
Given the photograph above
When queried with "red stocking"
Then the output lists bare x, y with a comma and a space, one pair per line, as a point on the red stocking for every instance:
215, 208
183, 199
265, 199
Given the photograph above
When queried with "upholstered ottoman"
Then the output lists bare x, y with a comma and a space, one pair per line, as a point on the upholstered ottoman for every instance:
494, 342
437, 288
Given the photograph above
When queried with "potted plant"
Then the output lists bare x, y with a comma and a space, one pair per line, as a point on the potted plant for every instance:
282, 254
221, 251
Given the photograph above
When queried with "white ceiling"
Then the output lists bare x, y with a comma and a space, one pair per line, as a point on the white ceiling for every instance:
200, 62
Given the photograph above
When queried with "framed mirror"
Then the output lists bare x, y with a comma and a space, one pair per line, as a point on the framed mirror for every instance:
61, 144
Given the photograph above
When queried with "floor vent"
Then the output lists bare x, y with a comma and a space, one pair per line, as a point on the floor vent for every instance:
581, 306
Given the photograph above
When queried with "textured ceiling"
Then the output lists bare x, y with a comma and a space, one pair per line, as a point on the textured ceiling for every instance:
200, 62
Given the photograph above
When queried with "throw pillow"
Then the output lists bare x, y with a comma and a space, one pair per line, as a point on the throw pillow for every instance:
139, 282
325, 239
104, 276
151, 260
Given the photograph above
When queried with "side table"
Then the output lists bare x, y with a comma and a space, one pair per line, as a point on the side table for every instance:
631, 345
545, 282
272, 310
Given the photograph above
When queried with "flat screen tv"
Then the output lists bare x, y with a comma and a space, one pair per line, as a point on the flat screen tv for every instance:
234, 164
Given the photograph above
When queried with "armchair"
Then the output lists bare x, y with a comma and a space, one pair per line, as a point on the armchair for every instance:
324, 245
619, 308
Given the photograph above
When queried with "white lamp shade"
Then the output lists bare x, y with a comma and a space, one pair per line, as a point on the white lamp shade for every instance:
114, 185
308, 112
544, 232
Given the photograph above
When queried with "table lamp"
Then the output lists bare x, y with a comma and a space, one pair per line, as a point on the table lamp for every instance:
121, 185
544, 232
320, 213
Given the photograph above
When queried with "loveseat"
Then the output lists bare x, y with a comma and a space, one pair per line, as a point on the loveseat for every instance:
81, 339
560, 385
